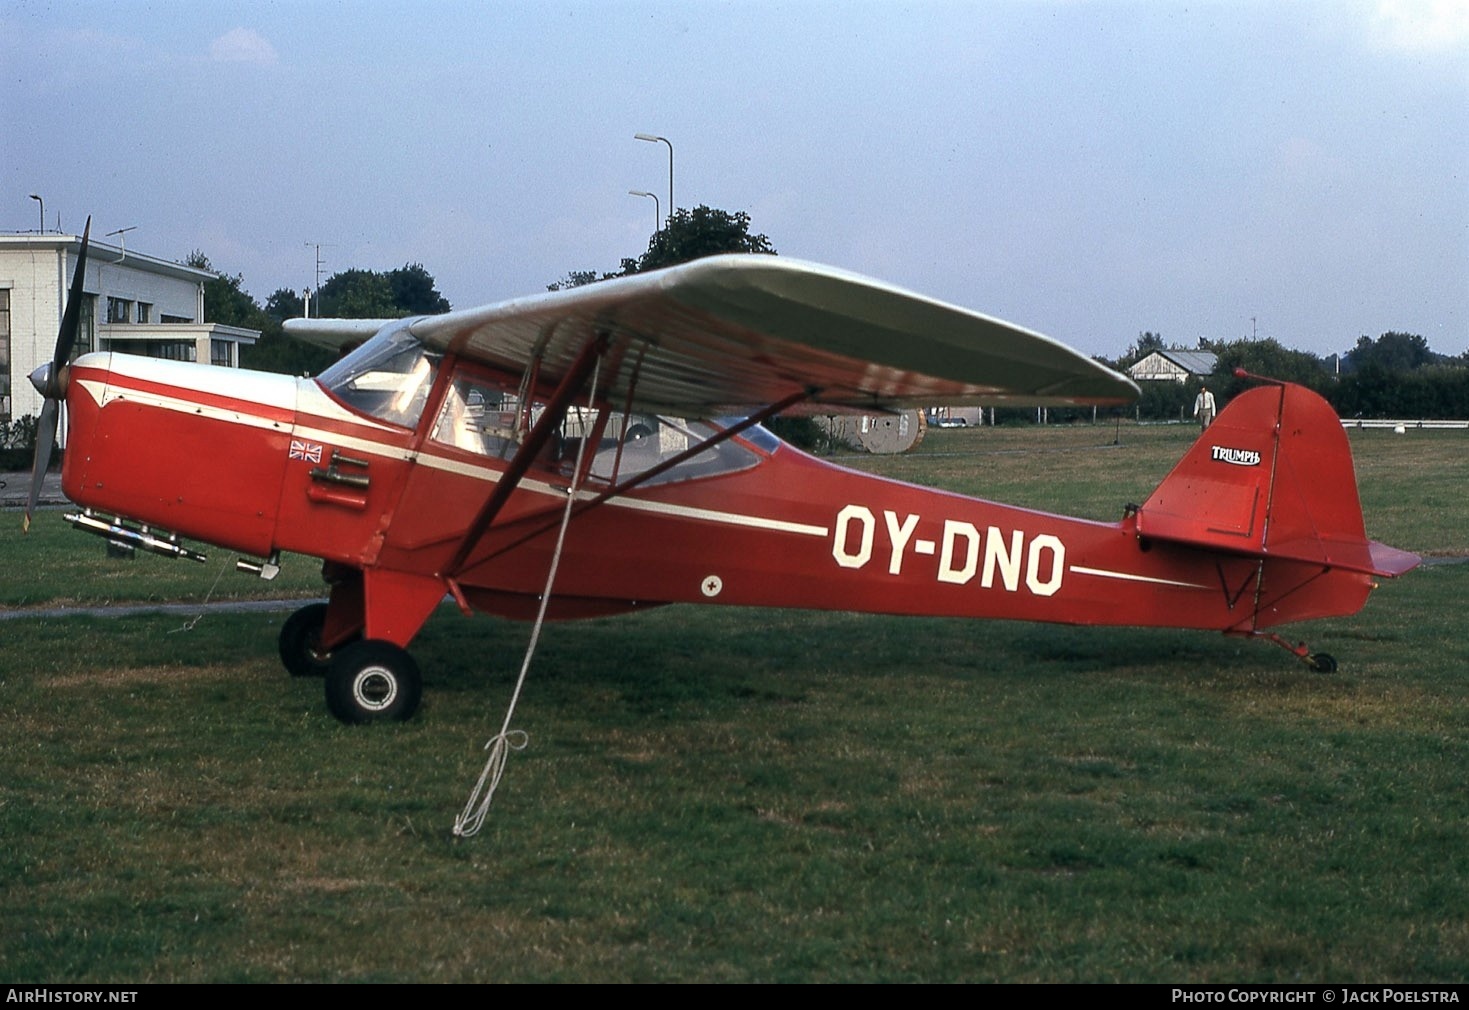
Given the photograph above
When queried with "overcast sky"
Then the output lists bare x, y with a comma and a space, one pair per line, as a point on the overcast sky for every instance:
1087, 169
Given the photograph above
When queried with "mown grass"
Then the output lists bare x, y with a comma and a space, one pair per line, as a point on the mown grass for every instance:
732, 795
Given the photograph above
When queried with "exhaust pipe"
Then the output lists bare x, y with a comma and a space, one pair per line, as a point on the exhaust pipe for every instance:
119, 531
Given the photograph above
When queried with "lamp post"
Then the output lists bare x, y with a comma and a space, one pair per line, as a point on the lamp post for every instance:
43, 211
122, 234
654, 140
657, 214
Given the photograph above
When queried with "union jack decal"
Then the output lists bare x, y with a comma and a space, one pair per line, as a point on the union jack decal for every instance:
308, 451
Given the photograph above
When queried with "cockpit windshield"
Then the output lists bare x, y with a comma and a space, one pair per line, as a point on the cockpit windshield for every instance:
389, 377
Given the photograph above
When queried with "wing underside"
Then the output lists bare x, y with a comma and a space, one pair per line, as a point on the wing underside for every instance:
732, 332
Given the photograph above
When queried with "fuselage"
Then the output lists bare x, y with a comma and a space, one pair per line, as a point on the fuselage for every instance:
257, 462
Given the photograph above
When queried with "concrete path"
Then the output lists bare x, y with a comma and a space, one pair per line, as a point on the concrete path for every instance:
15, 488
185, 609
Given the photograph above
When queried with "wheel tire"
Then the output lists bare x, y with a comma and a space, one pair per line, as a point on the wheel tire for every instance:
1323, 662
373, 681
300, 640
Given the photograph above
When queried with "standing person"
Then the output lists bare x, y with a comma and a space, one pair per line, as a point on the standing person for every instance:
1204, 408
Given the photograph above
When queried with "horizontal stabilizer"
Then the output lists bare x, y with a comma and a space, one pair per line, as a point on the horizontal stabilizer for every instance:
1390, 561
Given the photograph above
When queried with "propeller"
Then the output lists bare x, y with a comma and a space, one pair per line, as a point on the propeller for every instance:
50, 378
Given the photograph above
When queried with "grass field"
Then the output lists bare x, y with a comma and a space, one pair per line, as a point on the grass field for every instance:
730, 795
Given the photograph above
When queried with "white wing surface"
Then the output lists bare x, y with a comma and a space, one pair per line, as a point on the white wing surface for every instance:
732, 332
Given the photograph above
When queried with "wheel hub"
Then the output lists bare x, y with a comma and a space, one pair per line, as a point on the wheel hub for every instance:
375, 688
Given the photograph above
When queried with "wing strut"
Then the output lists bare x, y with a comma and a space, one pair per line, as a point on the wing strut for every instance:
648, 474
587, 360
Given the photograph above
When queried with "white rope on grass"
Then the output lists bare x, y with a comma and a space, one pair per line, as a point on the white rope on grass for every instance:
189, 624
477, 808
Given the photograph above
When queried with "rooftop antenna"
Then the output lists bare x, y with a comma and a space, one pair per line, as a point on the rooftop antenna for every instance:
318, 247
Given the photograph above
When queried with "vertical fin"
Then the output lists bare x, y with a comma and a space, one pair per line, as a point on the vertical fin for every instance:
1272, 477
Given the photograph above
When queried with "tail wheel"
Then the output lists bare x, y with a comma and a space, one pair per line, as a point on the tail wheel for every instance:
372, 681
1322, 662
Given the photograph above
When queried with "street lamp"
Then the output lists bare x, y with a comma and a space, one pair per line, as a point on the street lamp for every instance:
657, 215
653, 140
122, 234
43, 211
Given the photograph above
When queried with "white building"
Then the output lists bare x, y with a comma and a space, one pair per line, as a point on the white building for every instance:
134, 303
1174, 366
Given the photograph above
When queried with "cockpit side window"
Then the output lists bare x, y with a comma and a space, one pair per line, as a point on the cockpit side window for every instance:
389, 377
480, 415
648, 440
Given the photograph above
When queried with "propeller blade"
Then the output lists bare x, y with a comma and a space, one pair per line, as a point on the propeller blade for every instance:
53, 386
45, 439
71, 321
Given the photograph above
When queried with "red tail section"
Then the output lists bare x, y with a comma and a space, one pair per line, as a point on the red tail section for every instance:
1271, 478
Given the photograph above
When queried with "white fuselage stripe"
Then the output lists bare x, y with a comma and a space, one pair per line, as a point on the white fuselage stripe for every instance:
1130, 577
105, 394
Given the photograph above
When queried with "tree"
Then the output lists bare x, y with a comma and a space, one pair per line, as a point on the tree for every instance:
686, 235
1391, 352
1147, 343
372, 294
414, 293
578, 279
285, 304
357, 294
693, 234
225, 298
1265, 358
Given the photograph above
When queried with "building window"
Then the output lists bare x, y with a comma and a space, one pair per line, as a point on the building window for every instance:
87, 330
119, 310
171, 350
145, 312
166, 318
221, 352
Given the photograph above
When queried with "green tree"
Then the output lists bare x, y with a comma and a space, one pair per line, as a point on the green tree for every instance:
225, 299
372, 294
357, 294
693, 234
285, 304
1266, 358
578, 279
1147, 343
687, 235
1391, 352
414, 292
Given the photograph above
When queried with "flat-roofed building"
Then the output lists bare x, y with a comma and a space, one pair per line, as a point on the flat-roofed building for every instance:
133, 303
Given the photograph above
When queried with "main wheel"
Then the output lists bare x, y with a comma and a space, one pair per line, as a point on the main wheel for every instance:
300, 642
373, 681
1322, 662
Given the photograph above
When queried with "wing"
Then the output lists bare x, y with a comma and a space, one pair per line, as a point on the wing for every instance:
333, 334
730, 332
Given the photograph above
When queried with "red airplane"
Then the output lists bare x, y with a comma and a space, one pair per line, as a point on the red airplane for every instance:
474, 452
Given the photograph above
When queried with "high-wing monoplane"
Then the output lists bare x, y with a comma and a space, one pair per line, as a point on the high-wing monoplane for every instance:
611, 434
